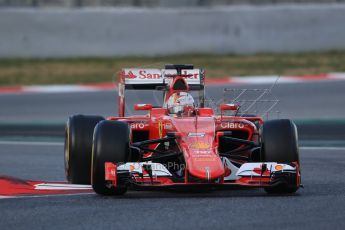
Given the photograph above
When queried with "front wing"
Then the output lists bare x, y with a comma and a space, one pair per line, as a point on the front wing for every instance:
156, 175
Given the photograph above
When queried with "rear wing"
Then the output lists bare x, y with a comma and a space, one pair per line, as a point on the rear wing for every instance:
159, 79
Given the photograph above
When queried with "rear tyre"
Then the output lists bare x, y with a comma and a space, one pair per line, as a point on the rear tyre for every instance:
279, 143
110, 144
78, 148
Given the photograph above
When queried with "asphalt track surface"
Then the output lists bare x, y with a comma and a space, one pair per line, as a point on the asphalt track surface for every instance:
320, 205
297, 101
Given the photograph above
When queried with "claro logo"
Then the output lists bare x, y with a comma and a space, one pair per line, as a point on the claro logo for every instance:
138, 125
231, 125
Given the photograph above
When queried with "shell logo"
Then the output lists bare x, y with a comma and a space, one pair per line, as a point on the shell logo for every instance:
160, 129
279, 167
131, 168
204, 159
200, 145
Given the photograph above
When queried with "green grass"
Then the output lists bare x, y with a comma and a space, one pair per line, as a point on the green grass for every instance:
91, 70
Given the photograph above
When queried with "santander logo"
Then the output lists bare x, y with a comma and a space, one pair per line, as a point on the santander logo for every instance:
130, 75
143, 74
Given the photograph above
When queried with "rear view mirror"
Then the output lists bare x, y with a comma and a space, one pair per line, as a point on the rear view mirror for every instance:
231, 107
142, 107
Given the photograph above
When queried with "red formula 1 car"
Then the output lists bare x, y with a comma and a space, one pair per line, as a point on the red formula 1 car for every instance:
179, 144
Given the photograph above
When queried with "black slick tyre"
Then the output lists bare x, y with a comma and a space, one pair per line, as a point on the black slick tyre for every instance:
78, 148
110, 144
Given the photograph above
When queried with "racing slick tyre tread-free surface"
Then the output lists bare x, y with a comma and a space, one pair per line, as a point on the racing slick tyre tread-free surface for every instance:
78, 148
111, 144
280, 144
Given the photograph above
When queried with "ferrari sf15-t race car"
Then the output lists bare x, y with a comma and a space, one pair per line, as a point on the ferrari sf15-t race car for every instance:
179, 144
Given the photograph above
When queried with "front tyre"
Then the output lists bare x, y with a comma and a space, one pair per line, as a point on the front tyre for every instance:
78, 148
279, 143
110, 144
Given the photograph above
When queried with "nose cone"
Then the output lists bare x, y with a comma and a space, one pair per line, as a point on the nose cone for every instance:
197, 142
205, 165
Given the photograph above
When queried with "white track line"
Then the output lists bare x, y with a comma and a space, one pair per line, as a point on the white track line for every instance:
42, 196
36, 143
55, 186
6, 197
59, 89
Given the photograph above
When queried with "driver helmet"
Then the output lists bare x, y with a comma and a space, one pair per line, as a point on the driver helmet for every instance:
179, 102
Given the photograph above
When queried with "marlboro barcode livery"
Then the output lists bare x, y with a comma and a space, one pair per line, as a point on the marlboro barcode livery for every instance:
180, 144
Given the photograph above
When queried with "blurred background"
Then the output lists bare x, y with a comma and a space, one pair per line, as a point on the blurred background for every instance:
87, 41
